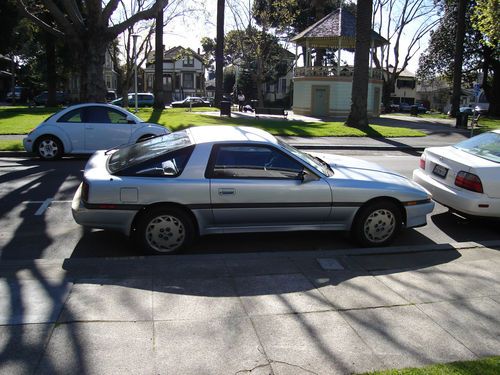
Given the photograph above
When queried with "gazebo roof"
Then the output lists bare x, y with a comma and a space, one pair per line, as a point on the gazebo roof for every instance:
337, 27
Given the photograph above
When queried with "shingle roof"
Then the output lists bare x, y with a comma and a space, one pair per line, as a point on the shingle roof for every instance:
340, 25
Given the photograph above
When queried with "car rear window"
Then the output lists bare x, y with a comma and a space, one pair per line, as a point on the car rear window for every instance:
486, 146
140, 152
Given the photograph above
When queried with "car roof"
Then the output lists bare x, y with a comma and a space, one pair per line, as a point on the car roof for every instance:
225, 133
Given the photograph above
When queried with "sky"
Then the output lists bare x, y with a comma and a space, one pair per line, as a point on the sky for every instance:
188, 33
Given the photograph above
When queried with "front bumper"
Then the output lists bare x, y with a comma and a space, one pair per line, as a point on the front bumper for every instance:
118, 220
28, 144
460, 200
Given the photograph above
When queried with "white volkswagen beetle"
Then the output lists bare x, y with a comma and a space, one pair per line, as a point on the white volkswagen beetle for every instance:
85, 128
464, 177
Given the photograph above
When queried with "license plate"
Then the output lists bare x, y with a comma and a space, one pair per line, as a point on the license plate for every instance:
440, 171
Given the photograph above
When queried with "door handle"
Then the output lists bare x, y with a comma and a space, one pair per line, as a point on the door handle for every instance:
226, 191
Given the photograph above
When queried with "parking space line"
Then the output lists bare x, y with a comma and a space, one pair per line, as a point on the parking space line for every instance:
46, 203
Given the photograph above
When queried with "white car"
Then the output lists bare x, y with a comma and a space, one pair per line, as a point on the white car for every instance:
464, 177
86, 128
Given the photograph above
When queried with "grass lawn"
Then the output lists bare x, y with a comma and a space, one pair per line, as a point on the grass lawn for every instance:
487, 123
485, 366
436, 115
11, 145
20, 120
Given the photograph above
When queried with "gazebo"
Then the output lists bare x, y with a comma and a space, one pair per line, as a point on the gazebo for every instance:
326, 90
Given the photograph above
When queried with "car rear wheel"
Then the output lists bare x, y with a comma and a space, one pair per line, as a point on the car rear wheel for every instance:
377, 224
165, 231
49, 148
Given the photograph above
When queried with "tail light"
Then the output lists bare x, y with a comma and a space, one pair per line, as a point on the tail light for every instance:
422, 162
469, 181
85, 191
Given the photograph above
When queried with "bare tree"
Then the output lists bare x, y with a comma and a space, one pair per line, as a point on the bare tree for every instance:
84, 25
398, 20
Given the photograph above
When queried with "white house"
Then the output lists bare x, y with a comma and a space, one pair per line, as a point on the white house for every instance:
183, 73
405, 88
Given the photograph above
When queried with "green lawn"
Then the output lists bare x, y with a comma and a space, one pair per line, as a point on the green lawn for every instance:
11, 145
485, 366
20, 120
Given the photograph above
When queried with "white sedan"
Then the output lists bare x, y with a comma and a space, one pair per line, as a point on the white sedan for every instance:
85, 128
464, 177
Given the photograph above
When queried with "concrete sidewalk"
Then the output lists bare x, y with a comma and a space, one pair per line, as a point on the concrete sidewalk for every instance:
439, 132
262, 313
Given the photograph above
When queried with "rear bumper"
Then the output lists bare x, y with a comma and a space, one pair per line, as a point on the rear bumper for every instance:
118, 220
458, 199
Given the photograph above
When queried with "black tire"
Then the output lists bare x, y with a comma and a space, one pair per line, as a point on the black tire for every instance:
377, 224
165, 230
48, 147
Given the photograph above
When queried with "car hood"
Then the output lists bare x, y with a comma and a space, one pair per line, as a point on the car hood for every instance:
356, 172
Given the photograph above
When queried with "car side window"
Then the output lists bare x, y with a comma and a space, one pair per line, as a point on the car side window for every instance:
116, 117
168, 165
247, 161
97, 115
73, 116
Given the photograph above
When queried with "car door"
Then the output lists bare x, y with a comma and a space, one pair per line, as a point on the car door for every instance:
105, 128
259, 185
71, 123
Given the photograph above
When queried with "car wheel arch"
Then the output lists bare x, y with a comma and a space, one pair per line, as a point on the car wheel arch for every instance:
166, 206
378, 200
50, 135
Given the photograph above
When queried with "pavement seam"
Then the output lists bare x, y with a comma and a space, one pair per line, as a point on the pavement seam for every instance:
262, 349
448, 332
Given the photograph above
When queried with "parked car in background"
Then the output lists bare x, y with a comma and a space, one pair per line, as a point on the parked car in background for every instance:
464, 177
110, 96
222, 179
467, 110
143, 100
404, 107
17, 95
191, 101
41, 99
85, 128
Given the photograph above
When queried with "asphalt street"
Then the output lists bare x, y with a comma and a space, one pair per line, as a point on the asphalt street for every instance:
36, 220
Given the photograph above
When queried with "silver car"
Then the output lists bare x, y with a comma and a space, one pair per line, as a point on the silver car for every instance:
166, 191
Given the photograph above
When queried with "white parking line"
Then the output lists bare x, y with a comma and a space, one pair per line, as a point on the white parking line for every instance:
46, 203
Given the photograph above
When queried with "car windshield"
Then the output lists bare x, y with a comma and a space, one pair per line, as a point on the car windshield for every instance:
486, 146
307, 159
142, 151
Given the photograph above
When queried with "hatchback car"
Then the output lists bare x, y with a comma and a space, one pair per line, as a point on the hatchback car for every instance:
220, 179
85, 128
191, 101
464, 177
143, 100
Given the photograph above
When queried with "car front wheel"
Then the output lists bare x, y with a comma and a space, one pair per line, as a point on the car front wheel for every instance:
49, 148
377, 224
165, 231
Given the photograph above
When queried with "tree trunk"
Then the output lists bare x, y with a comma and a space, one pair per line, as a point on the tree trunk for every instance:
92, 87
458, 58
158, 81
219, 54
50, 47
492, 89
358, 116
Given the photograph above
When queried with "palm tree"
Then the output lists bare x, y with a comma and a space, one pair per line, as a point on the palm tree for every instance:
358, 116
219, 53
158, 81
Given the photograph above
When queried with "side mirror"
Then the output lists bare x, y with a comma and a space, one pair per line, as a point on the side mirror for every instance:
130, 120
307, 176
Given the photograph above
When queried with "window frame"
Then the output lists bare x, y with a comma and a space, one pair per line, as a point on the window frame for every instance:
209, 171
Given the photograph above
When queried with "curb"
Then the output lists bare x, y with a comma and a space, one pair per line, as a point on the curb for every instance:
24, 154
6, 265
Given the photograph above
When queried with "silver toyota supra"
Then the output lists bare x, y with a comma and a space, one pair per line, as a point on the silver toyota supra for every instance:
166, 191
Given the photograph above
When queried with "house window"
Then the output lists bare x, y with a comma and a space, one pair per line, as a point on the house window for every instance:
269, 87
405, 84
188, 61
283, 85
188, 80
108, 82
150, 80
